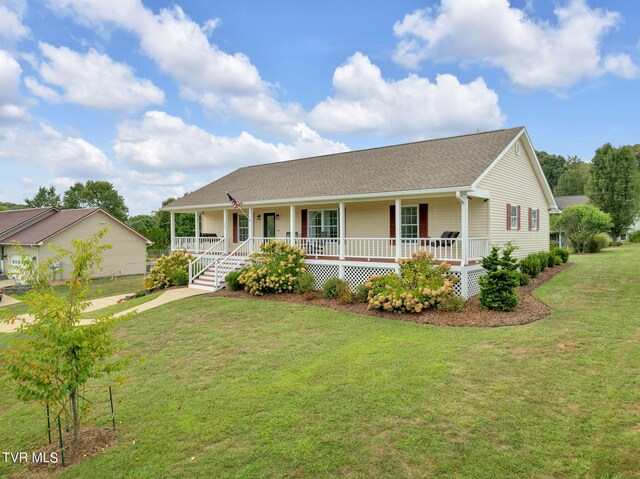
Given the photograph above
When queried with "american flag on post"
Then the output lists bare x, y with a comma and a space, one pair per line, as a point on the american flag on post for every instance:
235, 203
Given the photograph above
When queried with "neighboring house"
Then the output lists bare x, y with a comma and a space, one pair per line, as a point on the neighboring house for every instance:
563, 202
576, 200
35, 229
357, 213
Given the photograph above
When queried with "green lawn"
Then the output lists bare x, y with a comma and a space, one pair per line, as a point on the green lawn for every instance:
99, 288
260, 390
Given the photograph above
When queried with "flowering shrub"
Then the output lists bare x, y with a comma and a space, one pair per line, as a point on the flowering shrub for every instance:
422, 284
169, 270
275, 269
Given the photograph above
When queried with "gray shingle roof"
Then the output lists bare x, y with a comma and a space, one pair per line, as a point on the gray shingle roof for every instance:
448, 162
563, 201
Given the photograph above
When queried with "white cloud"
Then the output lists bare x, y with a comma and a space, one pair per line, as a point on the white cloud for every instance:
164, 142
93, 80
11, 27
12, 104
412, 107
50, 150
534, 53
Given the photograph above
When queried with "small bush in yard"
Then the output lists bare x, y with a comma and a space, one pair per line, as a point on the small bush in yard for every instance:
164, 272
562, 252
634, 237
452, 304
597, 242
274, 269
335, 288
304, 283
543, 257
179, 277
498, 286
530, 265
231, 281
422, 284
362, 292
524, 278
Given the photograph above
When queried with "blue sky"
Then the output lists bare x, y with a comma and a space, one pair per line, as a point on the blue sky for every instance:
162, 97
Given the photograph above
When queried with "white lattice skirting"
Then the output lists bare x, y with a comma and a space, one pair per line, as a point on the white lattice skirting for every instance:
356, 275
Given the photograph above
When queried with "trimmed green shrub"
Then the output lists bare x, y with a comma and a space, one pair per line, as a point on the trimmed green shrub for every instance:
304, 283
543, 257
179, 277
335, 288
597, 242
274, 269
452, 304
422, 284
524, 278
634, 237
231, 280
530, 265
498, 286
562, 252
362, 292
165, 271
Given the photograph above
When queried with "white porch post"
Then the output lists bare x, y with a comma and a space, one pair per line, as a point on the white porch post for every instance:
292, 224
252, 244
197, 215
225, 225
172, 229
398, 229
464, 226
343, 228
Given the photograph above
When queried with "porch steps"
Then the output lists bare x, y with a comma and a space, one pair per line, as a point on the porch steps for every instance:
207, 279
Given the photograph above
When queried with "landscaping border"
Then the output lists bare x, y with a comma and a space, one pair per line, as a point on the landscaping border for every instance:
528, 310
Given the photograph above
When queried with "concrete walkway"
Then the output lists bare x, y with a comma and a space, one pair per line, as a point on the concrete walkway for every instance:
166, 297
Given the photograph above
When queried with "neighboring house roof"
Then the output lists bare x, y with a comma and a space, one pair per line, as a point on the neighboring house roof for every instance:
425, 165
13, 219
576, 200
53, 224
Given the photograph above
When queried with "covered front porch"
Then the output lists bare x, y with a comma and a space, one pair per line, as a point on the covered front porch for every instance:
454, 228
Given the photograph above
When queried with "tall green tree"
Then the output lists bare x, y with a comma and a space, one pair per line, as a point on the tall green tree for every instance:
553, 166
581, 223
574, 179
44, 197
53, 357
100, 194
613, 185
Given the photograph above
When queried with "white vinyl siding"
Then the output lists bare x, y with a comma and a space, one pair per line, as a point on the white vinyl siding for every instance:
512, 180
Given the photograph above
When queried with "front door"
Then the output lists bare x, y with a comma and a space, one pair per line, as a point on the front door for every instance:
269, 225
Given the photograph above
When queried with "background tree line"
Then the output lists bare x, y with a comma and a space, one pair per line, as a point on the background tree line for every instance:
611, 181
102, 194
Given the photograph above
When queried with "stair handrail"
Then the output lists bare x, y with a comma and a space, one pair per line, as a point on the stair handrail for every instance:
193, 272
233, 253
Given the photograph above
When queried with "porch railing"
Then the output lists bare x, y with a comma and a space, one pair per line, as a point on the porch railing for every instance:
443, 249
191, 243
206, 259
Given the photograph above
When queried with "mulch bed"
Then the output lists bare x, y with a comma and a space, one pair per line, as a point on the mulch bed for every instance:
528, 310
93, 441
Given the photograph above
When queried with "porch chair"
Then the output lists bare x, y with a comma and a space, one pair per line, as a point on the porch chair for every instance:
446, 234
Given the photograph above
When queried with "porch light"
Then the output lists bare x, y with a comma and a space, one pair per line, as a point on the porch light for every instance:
259, 216
277, 215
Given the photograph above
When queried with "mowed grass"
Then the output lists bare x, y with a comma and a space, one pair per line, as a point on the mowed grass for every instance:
100, 288
227, 388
